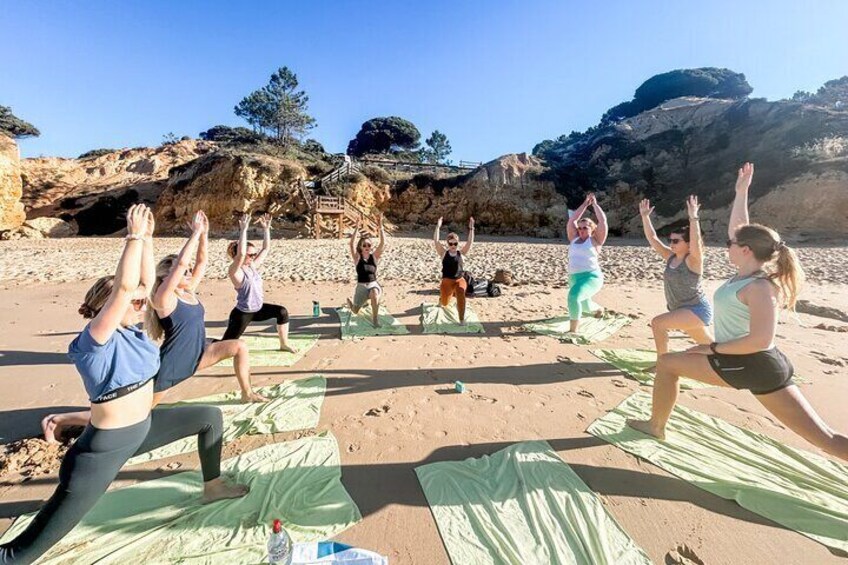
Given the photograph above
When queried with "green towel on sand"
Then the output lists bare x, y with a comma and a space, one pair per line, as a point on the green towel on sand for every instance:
522, 505
591, 329
438, 320
633, 362
797, 489
359, 325
294, 405
162, 521
265, 350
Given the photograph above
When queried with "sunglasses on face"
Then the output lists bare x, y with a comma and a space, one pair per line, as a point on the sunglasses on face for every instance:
364, 245
138, 303
582, 228
453, 243
731, 243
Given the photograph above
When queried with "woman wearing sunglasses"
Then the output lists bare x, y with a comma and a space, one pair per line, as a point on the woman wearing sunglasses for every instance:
688, 307
585, 278
117, 364
744, 356
365, 258
179, 317
453, 283
247, 281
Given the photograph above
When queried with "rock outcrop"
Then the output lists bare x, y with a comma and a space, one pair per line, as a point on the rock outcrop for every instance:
11, 210
95, 193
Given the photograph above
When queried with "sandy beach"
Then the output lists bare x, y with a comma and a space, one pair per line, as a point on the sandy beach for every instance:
392, 413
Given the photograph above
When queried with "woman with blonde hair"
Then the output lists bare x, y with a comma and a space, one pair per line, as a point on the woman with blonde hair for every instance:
687, 304
178, 317
453, 267
117, 364
744, 356
365, 259
585, 277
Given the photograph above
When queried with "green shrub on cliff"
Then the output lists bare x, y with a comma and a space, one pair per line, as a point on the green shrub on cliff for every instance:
96, 153
235, 135
13, 126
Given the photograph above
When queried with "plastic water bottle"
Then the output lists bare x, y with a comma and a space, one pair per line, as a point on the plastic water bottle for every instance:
279, 546
459, 386
316, 309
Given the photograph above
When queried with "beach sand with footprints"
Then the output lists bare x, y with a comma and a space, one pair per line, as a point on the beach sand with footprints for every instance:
390, 400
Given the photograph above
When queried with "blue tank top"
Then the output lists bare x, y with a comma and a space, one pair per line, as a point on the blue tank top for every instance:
185, 340
128, 358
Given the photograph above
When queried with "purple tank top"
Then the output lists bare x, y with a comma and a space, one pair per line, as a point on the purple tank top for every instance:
250, 295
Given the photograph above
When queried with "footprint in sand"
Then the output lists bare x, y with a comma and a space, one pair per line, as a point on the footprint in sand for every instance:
380, 411
682, 555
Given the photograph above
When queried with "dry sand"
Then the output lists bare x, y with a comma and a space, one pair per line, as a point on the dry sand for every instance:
521, 386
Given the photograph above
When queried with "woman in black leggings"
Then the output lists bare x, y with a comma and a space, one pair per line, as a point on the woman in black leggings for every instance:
117, 363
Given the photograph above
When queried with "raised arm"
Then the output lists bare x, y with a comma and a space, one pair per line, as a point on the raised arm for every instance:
352, 243
469, 241
440, 249
165, 300
602, 231
265, 222
148, 257
645, 210
234, 272
382, 245
739, 213
695, 261
571, 225
201, 259
125, 287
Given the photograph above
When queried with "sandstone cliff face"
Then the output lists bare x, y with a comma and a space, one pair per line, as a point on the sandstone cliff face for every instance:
11, 210
96, 192
694, 146
504, 196
226, 182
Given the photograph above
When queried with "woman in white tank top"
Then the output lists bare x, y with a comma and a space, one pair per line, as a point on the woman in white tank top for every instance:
585, 278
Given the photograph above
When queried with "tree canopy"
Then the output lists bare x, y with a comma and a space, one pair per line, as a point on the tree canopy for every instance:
278, 109
385, 135
227, 134
438, 148
15, 127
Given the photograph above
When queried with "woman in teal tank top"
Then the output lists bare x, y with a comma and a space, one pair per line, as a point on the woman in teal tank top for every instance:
744, 356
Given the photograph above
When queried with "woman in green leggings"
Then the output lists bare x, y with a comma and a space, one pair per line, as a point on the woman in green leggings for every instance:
585, 278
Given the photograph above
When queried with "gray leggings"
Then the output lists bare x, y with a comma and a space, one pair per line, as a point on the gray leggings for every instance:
94, 460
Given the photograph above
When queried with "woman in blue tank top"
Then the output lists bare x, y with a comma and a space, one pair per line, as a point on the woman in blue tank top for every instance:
688, 307
744, 356
117, 364
247, 280
178, 317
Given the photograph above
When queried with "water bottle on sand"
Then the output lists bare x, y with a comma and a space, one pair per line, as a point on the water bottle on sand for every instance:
316, 309
279, 546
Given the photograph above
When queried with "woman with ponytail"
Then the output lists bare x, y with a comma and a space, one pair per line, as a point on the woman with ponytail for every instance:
117, 364
178, 317
768, 278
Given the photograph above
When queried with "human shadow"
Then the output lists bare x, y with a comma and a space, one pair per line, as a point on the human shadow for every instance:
12, 358
23, 423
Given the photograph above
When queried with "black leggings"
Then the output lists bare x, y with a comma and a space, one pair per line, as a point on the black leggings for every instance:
240, 320
94, 460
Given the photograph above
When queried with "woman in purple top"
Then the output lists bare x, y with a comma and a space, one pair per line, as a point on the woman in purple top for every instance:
246, 279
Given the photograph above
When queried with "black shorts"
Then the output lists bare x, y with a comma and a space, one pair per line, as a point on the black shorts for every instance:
761, 373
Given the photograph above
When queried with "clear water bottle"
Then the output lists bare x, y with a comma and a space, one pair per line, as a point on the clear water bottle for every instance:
279, 546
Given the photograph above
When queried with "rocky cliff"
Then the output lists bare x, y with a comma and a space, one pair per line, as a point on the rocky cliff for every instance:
94, 193
11, 210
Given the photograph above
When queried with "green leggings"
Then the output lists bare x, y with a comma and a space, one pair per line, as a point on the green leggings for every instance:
582, 287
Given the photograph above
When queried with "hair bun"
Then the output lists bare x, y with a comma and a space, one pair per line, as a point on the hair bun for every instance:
86, 311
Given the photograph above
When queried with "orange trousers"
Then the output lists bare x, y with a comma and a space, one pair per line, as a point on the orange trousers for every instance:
453, 287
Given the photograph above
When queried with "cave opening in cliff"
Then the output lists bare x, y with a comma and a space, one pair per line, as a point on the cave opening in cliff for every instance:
107, 215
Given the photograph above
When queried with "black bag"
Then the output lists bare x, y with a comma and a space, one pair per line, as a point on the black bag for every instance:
492, 289
476, 287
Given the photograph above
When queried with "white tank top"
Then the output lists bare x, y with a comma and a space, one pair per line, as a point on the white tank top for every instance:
582, 257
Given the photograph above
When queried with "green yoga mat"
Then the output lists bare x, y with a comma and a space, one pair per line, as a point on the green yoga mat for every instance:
359, 325
591, 329
797, 489
438, 320
265, 350
522, 505
162, 521
294, 405
633, 362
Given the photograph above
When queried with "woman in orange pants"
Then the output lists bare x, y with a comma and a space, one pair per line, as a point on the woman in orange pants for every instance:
453, 283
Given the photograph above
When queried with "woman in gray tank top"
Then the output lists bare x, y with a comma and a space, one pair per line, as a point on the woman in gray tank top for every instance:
688, 307
768, 278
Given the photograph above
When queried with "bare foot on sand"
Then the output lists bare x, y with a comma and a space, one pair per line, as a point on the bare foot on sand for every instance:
253, 397
351, 307
51, 429
376, 324
646, 427
217, 489
288, 349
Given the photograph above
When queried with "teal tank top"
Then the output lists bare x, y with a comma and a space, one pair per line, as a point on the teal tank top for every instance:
732, 317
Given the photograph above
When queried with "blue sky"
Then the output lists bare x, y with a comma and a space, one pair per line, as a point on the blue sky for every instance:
496, 77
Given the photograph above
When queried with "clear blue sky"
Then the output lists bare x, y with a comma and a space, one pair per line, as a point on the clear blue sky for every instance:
496, 77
